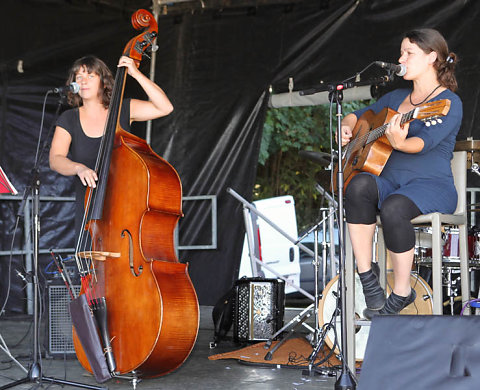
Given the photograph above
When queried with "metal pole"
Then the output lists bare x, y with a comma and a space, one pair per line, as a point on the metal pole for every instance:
250, 240
276, 227
345, 380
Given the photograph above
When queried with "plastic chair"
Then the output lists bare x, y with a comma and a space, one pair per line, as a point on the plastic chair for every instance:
436, 221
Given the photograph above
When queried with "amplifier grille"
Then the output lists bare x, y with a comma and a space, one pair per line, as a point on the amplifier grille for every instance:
60, 339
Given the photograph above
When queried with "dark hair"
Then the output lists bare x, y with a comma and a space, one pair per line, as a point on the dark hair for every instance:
430, 40
93, 65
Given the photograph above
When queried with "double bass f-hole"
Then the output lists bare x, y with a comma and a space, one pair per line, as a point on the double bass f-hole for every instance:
130, 254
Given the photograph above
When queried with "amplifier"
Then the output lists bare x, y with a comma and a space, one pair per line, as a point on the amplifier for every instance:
59, 329
259, 308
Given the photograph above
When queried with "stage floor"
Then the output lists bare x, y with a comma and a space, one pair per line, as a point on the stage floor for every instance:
198, 372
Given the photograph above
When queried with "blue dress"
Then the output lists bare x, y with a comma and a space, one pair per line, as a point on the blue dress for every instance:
424, 177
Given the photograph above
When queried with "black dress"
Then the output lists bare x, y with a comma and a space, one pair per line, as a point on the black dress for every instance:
84, 149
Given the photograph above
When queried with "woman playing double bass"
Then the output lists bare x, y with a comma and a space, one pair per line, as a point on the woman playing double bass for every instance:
80, 129
417, 178
142, 299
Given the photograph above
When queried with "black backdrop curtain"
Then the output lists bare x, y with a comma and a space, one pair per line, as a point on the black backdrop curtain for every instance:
216, 67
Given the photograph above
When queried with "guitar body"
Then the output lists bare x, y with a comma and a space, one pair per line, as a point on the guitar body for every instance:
366, 157
369, 148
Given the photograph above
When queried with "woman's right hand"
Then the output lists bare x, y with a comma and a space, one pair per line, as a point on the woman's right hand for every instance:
87, 176
346, 134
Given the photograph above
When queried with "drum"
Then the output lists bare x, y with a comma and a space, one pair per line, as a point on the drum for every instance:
451, 247
327, 305
423, 244
450, 250
474, 245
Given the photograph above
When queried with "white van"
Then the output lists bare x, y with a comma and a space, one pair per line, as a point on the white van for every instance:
270, 246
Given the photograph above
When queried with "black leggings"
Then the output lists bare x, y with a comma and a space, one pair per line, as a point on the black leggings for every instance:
361, 201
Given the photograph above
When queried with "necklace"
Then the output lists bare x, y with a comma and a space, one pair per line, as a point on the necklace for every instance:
424, 100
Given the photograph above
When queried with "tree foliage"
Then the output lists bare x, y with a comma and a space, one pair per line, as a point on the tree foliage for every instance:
281, 171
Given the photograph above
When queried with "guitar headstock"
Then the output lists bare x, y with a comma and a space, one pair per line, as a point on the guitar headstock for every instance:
431, 113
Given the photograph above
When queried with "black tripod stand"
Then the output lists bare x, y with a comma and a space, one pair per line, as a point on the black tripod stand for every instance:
34, 374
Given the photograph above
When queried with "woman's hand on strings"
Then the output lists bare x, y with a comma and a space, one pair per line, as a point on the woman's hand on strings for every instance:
396, 132
87, 176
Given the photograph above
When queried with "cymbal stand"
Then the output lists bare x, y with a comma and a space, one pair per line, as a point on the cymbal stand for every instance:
250, 208
332, 207
306, 313
318, 341
290, 328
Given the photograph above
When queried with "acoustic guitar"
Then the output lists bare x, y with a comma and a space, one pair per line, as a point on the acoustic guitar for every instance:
369, 148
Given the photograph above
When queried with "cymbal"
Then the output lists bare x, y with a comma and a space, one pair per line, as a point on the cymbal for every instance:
317, 157
467, 145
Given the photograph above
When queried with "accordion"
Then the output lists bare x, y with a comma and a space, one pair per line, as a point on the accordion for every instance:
259, 308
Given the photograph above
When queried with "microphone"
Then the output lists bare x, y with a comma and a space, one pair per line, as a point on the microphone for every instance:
72, 87
398, 69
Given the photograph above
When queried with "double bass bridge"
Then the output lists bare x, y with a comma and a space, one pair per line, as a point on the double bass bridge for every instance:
97, 255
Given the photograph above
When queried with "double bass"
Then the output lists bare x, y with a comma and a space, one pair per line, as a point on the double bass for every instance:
140, 294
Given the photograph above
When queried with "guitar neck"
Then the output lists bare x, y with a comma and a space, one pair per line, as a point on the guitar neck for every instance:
375, 134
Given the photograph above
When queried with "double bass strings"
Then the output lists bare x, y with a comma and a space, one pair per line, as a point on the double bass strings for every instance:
83, 252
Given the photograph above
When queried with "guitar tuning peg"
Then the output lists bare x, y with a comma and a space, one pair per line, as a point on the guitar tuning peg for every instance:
439, 120
434, 122
427, 123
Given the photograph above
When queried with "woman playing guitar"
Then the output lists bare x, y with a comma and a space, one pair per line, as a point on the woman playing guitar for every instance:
416, 179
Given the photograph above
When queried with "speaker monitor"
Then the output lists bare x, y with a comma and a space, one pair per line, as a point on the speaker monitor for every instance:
259, 308
59, 332
422, 352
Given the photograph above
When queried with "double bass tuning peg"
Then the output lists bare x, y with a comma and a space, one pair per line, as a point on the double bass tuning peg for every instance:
149, 38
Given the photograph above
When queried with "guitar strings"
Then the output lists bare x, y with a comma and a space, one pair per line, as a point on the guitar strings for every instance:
376, 133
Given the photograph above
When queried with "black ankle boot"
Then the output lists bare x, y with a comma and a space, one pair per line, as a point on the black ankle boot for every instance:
394, 305
374, 294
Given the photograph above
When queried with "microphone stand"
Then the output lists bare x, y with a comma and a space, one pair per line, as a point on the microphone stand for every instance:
35, 374
345, 380
332, 88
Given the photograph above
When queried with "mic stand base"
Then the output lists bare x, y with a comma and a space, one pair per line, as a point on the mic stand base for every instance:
35, 376
345, 382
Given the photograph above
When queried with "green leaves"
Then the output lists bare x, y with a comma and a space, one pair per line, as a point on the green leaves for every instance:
297, 128
282, 171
